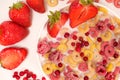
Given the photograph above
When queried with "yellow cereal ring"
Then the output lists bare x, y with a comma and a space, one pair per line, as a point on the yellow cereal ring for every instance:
109, 67
89, 53
47, 68
76, 57
90, 40
83, 28
104, 10
54, 66
62, 47
46, 55
52, 3
92, 47
71, 62
106, 36
63, 40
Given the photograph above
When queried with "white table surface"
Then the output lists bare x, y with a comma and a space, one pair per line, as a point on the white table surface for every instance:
32, 62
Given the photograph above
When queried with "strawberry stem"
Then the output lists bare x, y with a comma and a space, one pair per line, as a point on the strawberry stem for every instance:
17, 5
54, 17
86, 2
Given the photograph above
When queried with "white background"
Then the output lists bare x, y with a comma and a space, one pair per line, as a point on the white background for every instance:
32, 62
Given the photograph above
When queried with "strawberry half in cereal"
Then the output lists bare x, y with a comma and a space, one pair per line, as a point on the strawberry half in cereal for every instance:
89, 51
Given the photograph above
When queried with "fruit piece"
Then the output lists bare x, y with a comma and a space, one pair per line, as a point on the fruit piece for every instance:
80, 13
11, 33
37, 5
117, 3
106, 36
12, 57
21, 14
56, 21
52, 3
47, 68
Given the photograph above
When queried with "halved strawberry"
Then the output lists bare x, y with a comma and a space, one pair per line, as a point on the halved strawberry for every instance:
12, 57
11, 33
21, 14
80, 13
56, 21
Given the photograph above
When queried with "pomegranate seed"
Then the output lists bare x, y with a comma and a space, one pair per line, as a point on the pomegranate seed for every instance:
115, 44
111, 27
43, 78
87, 33
82, 44
25, 78
77, 48
99, 39
29, 74
60, 64
73, 43
78, 44
26, 71
15, 73
17, 77
80, 38
86, 78
34, 76
66, 35
85, 58
57, 72
104, 62
81, 54
86, 43
101, 52
74, 37
100, 27
21, 73
116, 55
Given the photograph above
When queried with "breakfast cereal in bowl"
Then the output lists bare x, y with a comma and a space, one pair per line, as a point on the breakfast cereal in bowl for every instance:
81, 42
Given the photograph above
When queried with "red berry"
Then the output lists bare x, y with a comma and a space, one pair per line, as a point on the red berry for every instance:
74, 37
57, 72
85, 58
66, 35
25, 78
43, 78
99, 39
86, 43
78, 44
80, 38
21, 73
116, 55
87, 33
81, 54
34, 76
115, 44
78, 48
86, 78
73, 43
26, 71
111, 27
60, 64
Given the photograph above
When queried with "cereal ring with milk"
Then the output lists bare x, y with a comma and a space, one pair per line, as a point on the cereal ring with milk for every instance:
52, 3
83, 28
89, 53
106, 36
76, 57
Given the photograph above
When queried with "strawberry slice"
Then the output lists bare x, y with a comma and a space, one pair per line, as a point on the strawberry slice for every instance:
56, 21
80, 13
12, 57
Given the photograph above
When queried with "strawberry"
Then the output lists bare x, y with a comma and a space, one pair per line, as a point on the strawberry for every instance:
55, 22
80, 13
37, 5
11, 33
12, 57
21, 14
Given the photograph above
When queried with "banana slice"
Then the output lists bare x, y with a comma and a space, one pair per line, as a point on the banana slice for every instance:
52, 3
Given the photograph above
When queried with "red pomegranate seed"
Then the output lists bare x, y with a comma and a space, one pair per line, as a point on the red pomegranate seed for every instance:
81, 54
86, 78
74, 37
87, 33
111, 27
80, 38
99, 39
115, 44
78, 44
66, 35
43, 78
85, 58
104, 62
34, 76
73, 43
15, 73
78, 48
26, 71
86, 43
60, 64
21, 73
101, 52
116, 55
100, 27
25, 78
57, 72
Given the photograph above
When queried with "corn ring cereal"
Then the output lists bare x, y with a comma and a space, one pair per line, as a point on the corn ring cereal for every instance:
52, 3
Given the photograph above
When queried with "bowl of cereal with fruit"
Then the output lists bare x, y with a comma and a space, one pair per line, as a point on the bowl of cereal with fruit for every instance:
81, 42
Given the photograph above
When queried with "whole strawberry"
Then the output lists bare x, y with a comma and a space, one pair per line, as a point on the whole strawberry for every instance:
12, 57
37, 5
21, 14
11, 33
